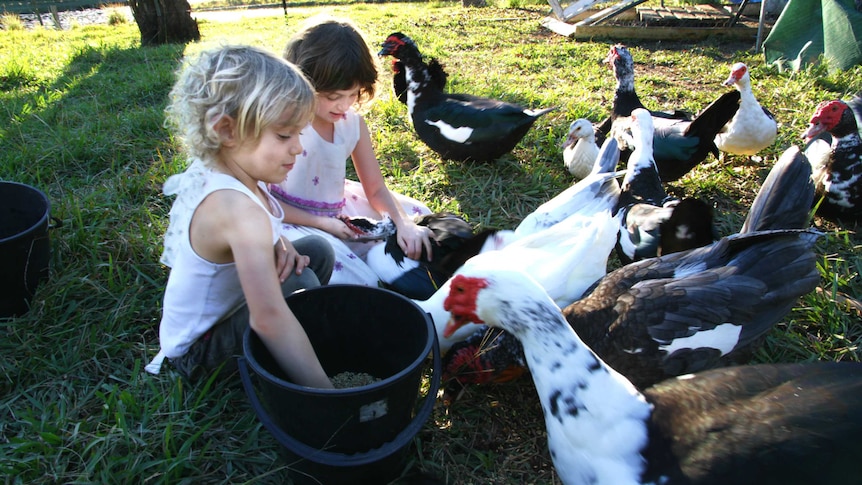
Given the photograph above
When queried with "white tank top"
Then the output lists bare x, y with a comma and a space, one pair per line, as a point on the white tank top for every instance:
198, 292
315, 184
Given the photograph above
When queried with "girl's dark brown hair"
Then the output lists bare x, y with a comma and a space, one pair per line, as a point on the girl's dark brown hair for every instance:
335, 57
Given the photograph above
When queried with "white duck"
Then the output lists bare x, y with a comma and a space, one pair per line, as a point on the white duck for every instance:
775, 424
565, 246
580, 149
566, 260
753, 127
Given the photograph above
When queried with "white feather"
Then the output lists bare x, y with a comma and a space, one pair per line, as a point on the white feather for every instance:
723, 337
566, 259
458, 135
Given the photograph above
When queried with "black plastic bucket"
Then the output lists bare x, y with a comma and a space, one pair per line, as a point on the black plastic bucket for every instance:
25, 248
354, 435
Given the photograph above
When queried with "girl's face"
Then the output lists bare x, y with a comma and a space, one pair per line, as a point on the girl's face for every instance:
271, 156
332, 105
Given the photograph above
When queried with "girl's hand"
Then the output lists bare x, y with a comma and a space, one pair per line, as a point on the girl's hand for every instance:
337, 228
413, 238
287, 259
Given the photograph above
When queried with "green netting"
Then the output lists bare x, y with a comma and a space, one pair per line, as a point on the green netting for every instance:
807, 29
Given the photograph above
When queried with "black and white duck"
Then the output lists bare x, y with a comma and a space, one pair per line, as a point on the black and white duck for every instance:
626, 98
458, 127
764, 424
697, 309
679, 145
454, 242
653, 223
837, 168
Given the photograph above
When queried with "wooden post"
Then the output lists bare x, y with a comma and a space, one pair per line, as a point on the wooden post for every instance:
760, 26
56, 16
37, 12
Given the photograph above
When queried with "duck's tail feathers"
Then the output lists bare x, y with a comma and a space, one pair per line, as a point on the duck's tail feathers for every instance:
608, 157
785, 198
810, 236
535, 113
714, 116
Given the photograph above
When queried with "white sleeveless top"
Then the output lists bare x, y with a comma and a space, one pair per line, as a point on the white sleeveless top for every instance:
198, 292
316, 182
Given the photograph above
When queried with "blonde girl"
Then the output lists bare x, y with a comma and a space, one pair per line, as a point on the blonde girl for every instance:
239, 111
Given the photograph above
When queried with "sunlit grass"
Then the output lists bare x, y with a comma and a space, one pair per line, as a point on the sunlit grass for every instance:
82, 121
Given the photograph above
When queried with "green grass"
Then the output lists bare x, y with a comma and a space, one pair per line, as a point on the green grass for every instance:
82, 120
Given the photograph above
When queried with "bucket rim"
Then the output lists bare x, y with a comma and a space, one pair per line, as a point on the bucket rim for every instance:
42, 220
349, 391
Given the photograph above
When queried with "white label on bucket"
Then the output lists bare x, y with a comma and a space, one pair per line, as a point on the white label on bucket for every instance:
374, 410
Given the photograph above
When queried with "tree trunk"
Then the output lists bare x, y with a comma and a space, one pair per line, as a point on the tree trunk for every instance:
473, 3
165, 21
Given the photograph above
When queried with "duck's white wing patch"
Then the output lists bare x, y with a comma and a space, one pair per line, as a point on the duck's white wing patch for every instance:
723, 337
458, 135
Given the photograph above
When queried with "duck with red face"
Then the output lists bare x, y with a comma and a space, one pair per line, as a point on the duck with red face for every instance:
836, 170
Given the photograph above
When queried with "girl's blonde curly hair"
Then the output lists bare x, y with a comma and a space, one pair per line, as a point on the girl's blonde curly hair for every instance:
252, 86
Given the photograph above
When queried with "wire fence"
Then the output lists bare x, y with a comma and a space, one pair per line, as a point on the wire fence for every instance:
46, 6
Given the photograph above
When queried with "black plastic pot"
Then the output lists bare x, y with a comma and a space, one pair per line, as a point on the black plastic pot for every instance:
25, 248
354, 435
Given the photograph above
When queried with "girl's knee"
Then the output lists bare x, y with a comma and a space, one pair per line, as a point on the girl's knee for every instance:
294, 282
320, 254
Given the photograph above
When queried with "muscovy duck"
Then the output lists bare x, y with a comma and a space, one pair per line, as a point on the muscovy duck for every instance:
455, 242
678, 144
763, 424
651, 222
698, 309
580, 149
837, 171
564, 243
399, 77
855, 104
566, 259
625, 97
458, 127
753, 127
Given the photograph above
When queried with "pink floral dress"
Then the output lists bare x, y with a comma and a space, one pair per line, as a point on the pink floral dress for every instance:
318, 184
